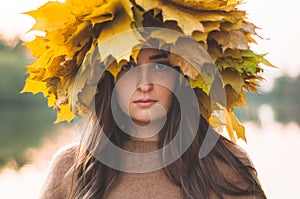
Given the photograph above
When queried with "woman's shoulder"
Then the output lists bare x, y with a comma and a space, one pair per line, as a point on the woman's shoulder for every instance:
65, 155
63, 159
58, 175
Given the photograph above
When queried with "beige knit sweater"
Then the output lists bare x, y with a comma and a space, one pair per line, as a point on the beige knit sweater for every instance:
154, 185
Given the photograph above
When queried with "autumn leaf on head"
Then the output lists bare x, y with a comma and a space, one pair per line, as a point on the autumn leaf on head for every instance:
223, 5
235, 39
194, 62
234, 128
233, 78
185, 19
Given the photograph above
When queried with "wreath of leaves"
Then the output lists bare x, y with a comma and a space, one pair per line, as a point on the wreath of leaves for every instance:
72, 30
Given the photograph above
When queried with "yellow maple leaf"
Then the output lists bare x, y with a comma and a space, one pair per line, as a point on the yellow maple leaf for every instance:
186, 20
52, 16
199, 36
215, 121
164, 36
105, 12
34, 87
38, 46
107, 46
234, 128
64, 114
114, 68
198, 83
81, 9
51, 100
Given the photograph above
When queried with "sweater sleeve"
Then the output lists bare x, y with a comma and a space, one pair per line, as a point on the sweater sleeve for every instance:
57, 183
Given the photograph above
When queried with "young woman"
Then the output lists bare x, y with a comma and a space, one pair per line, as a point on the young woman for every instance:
143, 90
149, 131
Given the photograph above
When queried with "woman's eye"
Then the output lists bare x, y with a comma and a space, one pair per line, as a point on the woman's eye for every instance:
160, 66
127, 66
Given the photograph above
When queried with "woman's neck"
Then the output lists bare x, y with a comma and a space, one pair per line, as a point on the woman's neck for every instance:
147, 133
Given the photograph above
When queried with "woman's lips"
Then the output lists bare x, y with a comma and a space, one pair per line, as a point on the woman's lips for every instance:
145, 103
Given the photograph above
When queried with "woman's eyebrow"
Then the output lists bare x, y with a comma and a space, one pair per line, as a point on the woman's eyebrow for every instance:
158, 56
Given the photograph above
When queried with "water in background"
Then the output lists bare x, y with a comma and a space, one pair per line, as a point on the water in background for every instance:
274, 149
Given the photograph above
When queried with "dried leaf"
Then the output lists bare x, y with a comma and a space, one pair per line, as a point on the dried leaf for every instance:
120, 24
233, 78
196, 63
186, 20
234, 39
234, 99
234, 127
224, 5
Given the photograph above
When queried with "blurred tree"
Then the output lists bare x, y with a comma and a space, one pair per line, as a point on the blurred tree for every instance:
24, 119
284, 99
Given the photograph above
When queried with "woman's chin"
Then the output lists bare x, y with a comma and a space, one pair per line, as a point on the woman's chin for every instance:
144, 121
147, 116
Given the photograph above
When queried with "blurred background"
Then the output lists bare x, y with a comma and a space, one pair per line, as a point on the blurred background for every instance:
28, 137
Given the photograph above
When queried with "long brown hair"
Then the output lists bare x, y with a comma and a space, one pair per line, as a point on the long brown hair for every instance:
198, 177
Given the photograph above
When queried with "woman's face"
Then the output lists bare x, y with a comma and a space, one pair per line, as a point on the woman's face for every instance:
144, 89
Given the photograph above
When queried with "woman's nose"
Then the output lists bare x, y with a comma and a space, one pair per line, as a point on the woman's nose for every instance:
145, 83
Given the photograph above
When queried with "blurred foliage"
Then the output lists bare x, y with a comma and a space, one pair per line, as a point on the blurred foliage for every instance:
24, 119
284, 99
